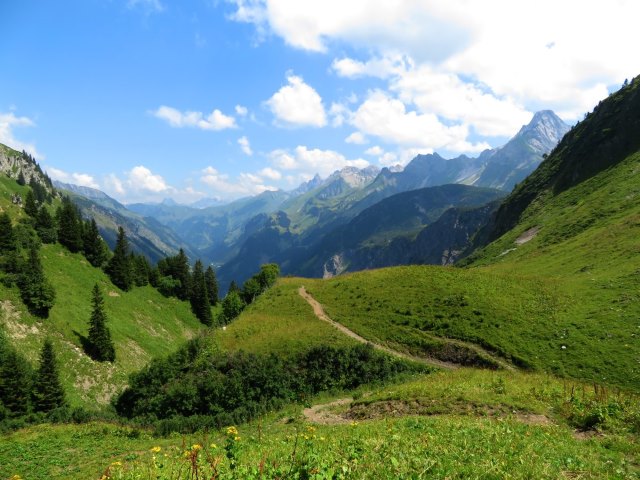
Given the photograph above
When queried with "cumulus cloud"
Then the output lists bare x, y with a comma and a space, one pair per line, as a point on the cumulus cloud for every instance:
216, 120
534, 57
222, 185
7, 123
142, 178
245, 146
82, 179
241, 111
375, 151
298, 104
387, 118
311, 161
270, 173
356, 138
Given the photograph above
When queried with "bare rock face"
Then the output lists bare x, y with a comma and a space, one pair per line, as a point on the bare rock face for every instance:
334, 266
21, 165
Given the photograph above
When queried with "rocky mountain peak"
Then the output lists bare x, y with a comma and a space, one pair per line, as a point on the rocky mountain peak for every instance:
544, 131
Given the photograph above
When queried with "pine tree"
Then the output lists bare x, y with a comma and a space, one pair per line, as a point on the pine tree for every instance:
69, 226
212, 285
45, 226
8, 241
94, 248
140, 270
100, 347
15, 380
48, 393
30, 205
181, 272
119, 267
21, 180
36, 291
199, 297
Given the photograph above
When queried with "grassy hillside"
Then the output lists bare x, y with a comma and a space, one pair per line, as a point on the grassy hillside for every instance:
497, 424
279, 321
143, 324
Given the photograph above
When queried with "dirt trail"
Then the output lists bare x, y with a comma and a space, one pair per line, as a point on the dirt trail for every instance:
319, 312
321, 414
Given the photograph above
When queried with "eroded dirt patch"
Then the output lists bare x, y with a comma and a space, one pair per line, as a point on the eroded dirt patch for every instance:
527, 236
322, 414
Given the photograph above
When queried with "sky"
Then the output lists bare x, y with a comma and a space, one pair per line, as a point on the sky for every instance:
192, 99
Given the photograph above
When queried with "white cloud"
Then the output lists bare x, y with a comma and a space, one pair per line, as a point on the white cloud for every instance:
216, 120
245, 184
311, 161
270, 173
82, 179
114, 185
241, 111
559, 55
388, 119
298, 104
7, 122
141, 178
339, 113
245, 146
375, 151
356, 138
376, 67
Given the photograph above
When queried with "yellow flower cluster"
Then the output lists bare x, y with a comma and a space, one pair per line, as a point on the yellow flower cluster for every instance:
156, 449
232, 431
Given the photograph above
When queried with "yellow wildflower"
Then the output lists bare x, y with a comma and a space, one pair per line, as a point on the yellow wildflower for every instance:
116, 464
16, 477
156, 449
237, 438
195, 447
354, 424
232, 431
311, 428
213, 446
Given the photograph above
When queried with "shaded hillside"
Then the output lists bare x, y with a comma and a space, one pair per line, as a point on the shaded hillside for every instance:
146, 235
603, 139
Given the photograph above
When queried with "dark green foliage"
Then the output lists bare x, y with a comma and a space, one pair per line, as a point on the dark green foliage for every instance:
39, 192
199, 296
99, 345
30, 205
94, 248
167, 286
69, 226
119, 266
212, 285
21, 180
15, 381
140, 270
47, 390
237, 387
7, 236
233, 287
232, 306
258, 283
45, 226
177, 267
36, 291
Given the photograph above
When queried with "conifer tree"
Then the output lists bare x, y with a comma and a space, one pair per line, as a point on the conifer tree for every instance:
30, 205
21, 180
140, 270
48, 393
94, 248
119, 266
36, 291
100, 347
212, 285
15, 383
181, 272
7, 235
199, 297
45, 226
69, 226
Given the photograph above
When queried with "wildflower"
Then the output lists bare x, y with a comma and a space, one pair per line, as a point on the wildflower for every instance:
156, 449
354, 424
116, 464
213, 446
16, 477
195, 447
232, 431
237, 438
311, 428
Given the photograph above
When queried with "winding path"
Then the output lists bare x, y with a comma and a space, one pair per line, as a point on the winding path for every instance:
320, 313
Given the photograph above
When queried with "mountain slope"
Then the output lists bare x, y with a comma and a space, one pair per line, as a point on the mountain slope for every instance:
146, 235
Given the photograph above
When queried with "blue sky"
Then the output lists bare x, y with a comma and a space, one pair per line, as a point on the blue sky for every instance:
149, 99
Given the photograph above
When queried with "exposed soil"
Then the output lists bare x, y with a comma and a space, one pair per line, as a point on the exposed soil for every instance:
528, 235
322, 414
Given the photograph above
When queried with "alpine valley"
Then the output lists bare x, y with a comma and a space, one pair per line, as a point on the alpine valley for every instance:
455, 318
